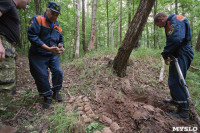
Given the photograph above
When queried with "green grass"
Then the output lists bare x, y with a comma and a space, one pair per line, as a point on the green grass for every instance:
94, 126
193, 78
62, 121
143, 51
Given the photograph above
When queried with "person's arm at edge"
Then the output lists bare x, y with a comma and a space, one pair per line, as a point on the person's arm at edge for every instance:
2, 50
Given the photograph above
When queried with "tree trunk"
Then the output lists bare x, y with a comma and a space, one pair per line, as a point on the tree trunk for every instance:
74, 37
147, 31
129, 12
86, 18
155, 27
133, 8
38, 7
183, 9
83, 26
116, 44
132, 37
120, 22
96, 40
197, 48
77, 53
112, 40
191, 27
108, 38
93, 29
176, 7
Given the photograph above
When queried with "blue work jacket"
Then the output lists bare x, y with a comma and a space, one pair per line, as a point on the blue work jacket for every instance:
178, 34
42, 31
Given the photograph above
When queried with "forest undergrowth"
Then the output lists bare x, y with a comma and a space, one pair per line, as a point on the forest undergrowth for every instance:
96, 99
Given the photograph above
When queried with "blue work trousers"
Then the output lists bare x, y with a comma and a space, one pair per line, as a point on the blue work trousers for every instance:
39, 70
185, 57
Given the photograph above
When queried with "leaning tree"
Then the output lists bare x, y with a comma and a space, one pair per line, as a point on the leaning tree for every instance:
132, 36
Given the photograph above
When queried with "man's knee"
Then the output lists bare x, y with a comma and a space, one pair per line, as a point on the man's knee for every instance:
58, 72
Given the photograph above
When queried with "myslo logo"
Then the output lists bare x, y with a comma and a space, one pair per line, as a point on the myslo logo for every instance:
186, 129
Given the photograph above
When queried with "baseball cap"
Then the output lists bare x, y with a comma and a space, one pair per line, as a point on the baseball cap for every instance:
54, 6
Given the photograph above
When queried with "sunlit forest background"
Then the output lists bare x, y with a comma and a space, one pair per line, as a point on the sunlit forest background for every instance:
112, 20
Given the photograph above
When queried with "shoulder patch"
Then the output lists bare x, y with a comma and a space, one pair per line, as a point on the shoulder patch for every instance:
171, 30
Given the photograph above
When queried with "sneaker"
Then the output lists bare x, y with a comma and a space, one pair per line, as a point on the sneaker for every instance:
57, 96
47, 102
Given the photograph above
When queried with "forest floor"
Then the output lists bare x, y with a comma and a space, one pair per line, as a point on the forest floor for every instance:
127, 105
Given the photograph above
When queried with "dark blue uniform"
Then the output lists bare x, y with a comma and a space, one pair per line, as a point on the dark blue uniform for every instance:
42, 31
178, 36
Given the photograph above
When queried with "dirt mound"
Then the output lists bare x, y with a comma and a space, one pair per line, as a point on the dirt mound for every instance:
134, 116
135, 102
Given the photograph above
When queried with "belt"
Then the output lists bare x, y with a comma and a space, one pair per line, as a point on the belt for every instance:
8, 40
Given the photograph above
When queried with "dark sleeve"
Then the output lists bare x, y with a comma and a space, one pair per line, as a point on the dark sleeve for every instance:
34, 31
5, 5
175, 37
61, 39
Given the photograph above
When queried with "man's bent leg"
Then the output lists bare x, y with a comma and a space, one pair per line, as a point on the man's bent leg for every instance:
39, 71
57, 77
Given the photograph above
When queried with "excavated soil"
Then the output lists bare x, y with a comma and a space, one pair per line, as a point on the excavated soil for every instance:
134, 103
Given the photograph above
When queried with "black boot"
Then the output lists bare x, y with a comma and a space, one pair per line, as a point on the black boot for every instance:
47, 102
57, 96
181, 114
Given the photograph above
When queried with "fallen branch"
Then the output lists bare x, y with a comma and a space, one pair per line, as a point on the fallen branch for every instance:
17, 114
195, 68
161, 77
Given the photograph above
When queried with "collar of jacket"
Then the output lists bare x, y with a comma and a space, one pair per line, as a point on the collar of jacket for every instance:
169, 18
45, 15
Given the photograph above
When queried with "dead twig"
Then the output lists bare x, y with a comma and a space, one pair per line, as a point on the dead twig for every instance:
17, 114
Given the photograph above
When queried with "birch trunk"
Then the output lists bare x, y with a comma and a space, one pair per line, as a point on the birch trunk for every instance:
83, 26
93, 29
77, 54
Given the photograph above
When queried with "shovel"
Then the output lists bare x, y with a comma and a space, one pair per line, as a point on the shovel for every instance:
186, 90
